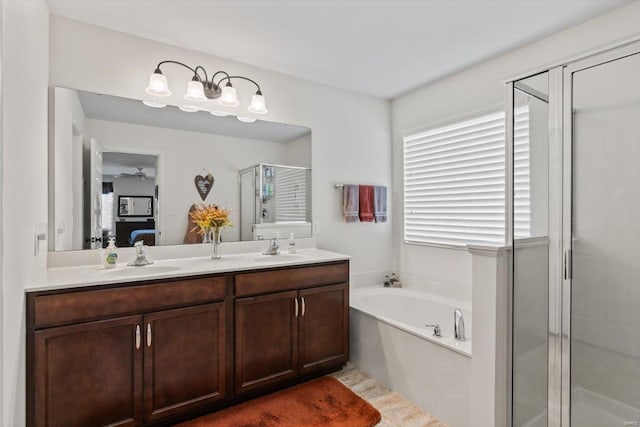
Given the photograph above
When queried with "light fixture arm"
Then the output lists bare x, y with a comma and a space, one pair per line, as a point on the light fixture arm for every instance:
206, 78
228, 77
194, 70
213, 83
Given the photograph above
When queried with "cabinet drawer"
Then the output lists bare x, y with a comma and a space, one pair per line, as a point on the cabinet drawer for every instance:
86, 305
290, 278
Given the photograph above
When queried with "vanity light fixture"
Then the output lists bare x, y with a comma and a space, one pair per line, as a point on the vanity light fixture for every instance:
188, 108
245, 119
154, 104
201, 88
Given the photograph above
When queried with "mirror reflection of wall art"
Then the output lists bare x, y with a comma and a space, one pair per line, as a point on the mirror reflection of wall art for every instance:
204, 183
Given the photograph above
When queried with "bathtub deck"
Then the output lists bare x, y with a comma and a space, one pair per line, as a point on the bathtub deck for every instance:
396, 410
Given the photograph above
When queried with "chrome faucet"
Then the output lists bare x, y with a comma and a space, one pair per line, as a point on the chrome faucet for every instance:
141, 255
458, 325
437, 332
273, 248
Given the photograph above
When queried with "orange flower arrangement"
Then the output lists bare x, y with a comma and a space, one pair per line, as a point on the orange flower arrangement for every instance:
210, 216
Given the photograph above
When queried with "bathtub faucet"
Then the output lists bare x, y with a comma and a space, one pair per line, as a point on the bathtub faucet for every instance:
392, 282
437, 332
458, 325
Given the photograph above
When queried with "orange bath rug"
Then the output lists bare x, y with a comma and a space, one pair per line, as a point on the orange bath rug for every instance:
323, 402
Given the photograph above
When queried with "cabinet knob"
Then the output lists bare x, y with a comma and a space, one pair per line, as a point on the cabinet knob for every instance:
137, 337
148, 334
295, 312
303, 306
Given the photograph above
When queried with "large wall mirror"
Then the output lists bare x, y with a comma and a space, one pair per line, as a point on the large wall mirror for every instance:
122, 169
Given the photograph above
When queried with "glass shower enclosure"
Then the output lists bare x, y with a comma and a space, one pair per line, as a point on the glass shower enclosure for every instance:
275, 200
574, 215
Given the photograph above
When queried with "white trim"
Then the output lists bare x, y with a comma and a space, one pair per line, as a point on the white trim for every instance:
452, 119
574, 58
488, 251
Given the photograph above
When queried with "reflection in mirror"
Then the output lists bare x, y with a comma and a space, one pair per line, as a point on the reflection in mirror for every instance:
274, 201
122, 169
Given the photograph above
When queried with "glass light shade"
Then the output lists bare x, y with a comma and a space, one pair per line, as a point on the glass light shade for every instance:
244, 119
219, 113
188, 108
229, 98
195, 92
258, 104
154, 104
158, 85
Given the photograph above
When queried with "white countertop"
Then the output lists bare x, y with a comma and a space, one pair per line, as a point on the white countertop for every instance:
71, 277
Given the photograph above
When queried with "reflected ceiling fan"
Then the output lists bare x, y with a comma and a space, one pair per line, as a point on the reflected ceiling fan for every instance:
138, 175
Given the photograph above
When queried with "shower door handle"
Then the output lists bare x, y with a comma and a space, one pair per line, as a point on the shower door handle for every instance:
568, 264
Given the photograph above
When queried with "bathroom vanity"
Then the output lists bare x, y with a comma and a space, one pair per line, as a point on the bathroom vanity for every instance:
137, 349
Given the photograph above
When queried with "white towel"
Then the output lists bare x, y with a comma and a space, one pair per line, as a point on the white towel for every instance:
350, 202
380, 203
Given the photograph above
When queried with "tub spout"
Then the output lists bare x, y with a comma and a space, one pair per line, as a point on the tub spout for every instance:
458, 325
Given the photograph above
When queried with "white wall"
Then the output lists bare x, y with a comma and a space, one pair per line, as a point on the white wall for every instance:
350, 132
24, 176
183, 154
474, 89
299, 152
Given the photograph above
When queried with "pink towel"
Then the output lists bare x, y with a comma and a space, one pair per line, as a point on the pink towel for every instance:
350, 201
366, 203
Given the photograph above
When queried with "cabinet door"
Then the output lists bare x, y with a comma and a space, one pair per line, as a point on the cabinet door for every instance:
184, 359
89, 374
324, 326
266, 340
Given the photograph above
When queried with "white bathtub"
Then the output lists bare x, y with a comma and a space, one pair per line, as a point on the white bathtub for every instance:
411, 310
390, 342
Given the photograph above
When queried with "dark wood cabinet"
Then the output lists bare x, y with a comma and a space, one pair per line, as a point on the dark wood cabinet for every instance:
184, 359
157, 352
266, 340
88, 374
283, 335
324, 327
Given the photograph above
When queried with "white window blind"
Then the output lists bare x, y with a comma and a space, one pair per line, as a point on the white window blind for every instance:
454, 181
291, 195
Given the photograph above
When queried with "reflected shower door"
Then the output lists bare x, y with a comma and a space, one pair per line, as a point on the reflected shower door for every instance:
605, 239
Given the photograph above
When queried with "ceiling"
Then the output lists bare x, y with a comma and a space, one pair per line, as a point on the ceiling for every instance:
380, 48
117, 109
117, 163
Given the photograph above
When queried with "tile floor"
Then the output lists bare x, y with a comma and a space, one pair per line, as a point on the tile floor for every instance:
396, 410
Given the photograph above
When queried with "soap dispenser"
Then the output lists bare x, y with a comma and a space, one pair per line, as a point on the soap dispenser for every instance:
110, 255
292, 244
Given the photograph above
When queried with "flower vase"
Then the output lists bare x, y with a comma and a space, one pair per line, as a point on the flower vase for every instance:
206, 236
215, 243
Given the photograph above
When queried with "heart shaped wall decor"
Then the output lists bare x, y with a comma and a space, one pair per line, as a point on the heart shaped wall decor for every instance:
203, 185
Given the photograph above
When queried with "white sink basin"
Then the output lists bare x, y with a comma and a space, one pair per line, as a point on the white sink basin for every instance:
137, 271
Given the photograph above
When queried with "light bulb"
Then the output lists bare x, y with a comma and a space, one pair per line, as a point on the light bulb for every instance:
188, 108
195, 91
244, 119
153, 104
258, 104
229, 98
219, 113
158, 85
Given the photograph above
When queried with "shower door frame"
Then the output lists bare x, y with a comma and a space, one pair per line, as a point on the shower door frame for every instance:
623, 51
560, 222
